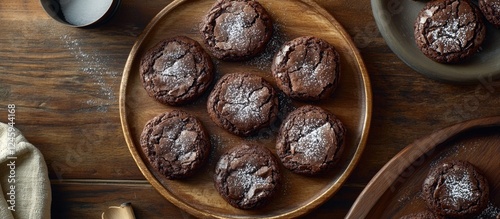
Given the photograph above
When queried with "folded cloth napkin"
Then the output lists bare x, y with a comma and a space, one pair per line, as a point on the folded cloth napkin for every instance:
24, 179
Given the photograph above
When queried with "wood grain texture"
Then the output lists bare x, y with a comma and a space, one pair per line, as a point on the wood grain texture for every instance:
88, 199
65, 84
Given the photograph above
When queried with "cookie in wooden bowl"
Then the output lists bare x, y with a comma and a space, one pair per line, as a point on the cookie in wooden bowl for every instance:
455, 189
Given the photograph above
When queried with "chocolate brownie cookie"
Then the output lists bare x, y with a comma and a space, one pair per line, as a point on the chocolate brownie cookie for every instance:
310, 140
175, 143
491, 11
455, 189
422, 215
242, 103
306, 68
247, 176
236, 29
176, 70
449, 31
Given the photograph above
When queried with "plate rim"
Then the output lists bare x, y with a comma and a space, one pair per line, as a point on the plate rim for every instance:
404, 54
379, 184
314, 203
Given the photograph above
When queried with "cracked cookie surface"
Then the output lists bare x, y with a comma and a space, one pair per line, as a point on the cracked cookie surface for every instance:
176, 70
310, 140
247, 176
455, 189
236, 30
242, 103
449, 31
306, 68
175, 143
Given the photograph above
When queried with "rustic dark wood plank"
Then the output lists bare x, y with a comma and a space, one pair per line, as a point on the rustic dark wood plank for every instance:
64, 82
88, 199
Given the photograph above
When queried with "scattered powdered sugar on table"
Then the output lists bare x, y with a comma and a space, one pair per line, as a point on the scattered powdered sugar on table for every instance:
84, 12
93, 65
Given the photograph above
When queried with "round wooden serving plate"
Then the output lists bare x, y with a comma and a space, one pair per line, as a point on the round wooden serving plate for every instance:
298, 194
395, 190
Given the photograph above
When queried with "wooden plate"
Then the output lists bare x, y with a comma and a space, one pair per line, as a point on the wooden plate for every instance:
394, 190
395, 21
298, 195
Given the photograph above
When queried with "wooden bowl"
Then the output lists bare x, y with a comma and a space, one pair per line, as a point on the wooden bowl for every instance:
394, 191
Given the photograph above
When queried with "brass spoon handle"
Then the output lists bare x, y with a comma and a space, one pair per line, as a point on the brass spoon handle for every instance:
124, 211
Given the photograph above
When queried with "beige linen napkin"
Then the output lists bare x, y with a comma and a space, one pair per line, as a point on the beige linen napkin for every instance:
24, 179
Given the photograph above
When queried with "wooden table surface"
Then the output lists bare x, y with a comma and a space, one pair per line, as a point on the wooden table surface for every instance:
65, 83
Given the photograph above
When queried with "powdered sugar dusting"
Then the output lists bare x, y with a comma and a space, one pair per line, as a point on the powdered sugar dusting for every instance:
248, 180
307, 76
314, 144
243, 102
239, 28
177, 143
184, 141
496, 6
175, 70
459, 188
235, 26
490, 212
178, 78
451, 35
